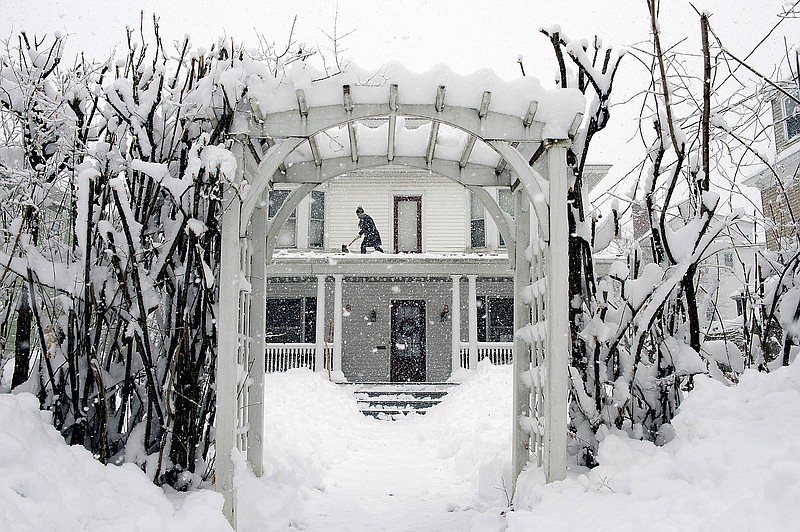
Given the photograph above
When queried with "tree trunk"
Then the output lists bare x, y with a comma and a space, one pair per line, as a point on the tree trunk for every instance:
22, 341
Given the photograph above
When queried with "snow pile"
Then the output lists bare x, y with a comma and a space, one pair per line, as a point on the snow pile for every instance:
47, 485
473, 426
309, 425
733, 464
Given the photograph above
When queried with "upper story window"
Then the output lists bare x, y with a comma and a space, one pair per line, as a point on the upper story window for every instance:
791, 123
407, 224
287, 237
477, 223
727, 258
506, 201
316, 220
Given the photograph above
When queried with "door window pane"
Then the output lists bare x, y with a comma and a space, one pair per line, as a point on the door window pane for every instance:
408, 337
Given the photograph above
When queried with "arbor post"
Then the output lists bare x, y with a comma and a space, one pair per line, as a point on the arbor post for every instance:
520, 449
257, 362
228, 347
557, 309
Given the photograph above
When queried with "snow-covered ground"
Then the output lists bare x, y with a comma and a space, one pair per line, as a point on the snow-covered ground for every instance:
733, 464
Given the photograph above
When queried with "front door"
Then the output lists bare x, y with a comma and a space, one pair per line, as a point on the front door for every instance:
408, 341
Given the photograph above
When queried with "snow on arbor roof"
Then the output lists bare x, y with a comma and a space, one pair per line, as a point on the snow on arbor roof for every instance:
555, 109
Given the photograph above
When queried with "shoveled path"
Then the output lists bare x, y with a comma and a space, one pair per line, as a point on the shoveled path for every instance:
392, 481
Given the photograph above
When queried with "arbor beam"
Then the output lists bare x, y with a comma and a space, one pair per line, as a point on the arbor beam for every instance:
471, 174
492, 126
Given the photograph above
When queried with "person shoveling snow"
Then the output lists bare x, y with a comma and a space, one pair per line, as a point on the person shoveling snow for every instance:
367, 229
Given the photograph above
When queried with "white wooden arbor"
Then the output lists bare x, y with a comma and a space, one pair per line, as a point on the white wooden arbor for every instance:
534, 167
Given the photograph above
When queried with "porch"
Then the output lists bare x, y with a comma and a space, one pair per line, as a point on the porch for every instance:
285, 356
340, 312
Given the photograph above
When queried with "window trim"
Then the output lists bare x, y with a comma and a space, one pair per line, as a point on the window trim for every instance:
500, 242
473, 199
395, 230
292, 217
786, 117
312, 219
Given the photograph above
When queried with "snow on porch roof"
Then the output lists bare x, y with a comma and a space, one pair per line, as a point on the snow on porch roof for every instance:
289, 262
554, 109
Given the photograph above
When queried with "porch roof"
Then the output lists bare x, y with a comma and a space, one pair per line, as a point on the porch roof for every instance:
293, 263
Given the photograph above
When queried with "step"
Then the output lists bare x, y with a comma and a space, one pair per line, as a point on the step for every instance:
394, 400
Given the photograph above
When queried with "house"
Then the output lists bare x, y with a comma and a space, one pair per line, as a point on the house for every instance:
778, 181
439, 298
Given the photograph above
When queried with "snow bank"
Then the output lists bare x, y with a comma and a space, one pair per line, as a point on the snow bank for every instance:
309, 425
733, 464
47, 485
473, 426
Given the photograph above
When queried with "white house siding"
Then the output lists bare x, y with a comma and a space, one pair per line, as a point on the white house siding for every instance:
444, 203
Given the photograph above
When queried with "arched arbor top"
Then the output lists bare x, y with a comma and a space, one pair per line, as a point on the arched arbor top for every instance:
476, 147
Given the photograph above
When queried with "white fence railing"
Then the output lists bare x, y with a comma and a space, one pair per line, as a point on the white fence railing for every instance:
282, 357
497, 352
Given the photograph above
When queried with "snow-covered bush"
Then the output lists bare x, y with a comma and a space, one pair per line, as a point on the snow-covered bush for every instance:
110, 193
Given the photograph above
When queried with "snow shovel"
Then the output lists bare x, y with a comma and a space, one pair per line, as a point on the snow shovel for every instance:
345, 247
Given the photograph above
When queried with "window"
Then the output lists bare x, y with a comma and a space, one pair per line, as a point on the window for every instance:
482, 314
408, 224
287, 237
506, 202
727, 257
291, 320
710, 311
791, 114
501, 319
477, 223
316, 221
495, 319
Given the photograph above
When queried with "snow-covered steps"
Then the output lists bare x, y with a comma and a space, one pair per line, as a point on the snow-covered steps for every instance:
390, 400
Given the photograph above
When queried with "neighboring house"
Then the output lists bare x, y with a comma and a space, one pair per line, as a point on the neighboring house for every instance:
723, 274
781, 193
445, 268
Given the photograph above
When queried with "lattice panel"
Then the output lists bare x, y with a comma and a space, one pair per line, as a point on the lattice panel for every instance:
539, 327
243, 354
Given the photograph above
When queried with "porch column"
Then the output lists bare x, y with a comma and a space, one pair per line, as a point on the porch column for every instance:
473, 322
319, 348
337, 324
455, 313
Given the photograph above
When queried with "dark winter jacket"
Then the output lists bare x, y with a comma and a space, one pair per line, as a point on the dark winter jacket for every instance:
367, 228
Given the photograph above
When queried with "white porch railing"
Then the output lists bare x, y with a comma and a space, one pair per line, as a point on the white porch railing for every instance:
282, 357
497, 352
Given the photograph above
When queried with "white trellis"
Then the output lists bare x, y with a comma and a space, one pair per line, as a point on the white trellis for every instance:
535, 168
